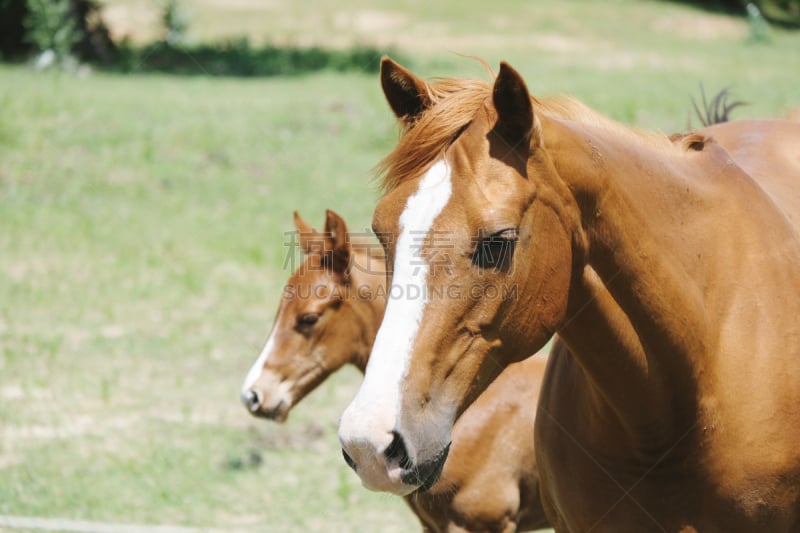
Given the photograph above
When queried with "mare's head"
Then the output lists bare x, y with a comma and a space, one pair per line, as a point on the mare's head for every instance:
314, 332
481, 254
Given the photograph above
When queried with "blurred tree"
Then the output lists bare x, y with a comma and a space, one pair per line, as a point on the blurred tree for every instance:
175, 22
83, 16
12, 31
51, 29
785, 13
759, 29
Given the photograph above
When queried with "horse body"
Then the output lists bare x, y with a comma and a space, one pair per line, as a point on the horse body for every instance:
671, 272
767, 151
328, 317
715, 369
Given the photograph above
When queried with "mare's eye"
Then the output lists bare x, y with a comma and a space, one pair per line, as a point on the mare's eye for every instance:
495, 250
307, 319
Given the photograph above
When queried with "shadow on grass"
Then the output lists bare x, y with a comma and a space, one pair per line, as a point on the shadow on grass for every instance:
239, 58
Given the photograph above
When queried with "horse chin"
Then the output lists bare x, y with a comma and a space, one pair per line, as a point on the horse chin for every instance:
382, 475
404, 481
278, 414
393, 481
425, 475
279, 417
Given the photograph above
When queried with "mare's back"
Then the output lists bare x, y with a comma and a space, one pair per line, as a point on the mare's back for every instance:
769, 151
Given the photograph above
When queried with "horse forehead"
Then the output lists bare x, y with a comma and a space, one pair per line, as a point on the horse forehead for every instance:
483, 162
309, 285
485, 196
385, 218
393, 204
476, 199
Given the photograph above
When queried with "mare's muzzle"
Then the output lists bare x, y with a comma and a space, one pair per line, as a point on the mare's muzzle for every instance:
422, 476
428, 473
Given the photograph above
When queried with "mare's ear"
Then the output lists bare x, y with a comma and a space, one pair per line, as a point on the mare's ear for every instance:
407, 94
310, 239
337, 243
515, 121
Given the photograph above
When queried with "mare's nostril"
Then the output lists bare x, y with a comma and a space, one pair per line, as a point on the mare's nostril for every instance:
251, 400
397, 451
349, 461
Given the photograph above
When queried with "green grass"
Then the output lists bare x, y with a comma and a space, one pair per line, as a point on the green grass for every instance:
142, 251
141, 246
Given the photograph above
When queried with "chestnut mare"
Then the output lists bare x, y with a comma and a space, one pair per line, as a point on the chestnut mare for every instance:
328, 317
670, 271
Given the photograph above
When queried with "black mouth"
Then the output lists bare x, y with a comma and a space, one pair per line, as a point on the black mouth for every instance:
275, 414
428, 473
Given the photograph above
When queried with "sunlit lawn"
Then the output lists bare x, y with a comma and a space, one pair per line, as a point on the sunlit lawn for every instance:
142, 224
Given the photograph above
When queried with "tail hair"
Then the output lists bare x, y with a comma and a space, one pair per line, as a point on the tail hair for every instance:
718, 109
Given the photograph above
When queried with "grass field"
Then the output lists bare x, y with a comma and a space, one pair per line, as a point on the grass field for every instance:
142, 224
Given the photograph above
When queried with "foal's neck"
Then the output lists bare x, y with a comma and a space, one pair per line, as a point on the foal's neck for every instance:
367, 302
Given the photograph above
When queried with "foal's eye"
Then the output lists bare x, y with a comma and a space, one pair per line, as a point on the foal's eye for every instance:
495, 250
307, 319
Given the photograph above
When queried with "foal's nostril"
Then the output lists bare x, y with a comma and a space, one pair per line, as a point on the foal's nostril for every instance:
397, 451
349, 461
251, 400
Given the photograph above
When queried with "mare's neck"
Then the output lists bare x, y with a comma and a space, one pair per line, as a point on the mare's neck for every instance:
635, 315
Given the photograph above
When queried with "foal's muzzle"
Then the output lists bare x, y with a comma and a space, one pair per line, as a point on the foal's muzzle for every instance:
251, 400
254, 403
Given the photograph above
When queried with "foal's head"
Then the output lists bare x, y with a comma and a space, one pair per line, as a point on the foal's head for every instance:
481, 255
314, 332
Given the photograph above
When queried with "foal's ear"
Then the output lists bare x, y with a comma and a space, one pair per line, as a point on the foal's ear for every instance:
309, 238
407, 94
515, 121
337, 242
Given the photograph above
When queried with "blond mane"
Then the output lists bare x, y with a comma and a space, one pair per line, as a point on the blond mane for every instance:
454, 103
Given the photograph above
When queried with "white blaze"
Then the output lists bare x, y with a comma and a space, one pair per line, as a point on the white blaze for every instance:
258, 366
373, 412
